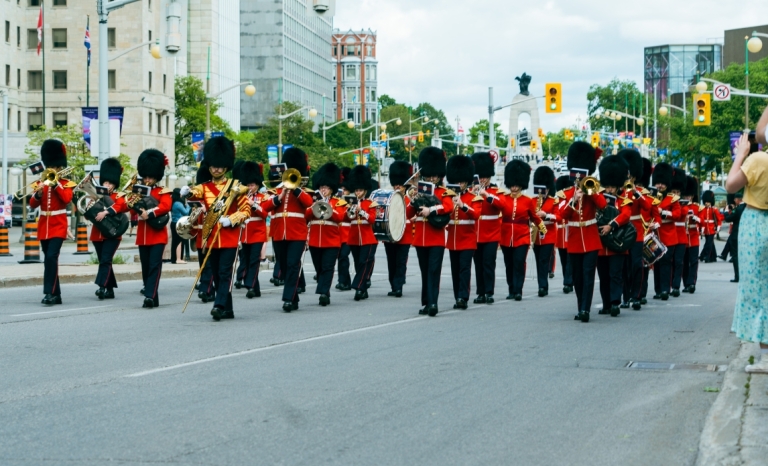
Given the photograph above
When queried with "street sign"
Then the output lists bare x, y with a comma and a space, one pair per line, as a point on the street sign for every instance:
494, 156
722, 92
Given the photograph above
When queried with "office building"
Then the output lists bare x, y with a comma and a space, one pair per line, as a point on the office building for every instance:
355, 70
734, 45
670, 69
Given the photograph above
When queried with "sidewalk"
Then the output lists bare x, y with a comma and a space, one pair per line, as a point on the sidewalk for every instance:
736, 429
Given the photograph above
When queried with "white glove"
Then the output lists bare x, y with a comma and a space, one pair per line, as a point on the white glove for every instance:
184, 191
256, 206
696, 219
666, 213
225, 222
654, 226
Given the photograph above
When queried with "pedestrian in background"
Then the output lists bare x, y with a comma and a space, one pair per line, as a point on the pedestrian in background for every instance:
179, 209
734, 217
750, 319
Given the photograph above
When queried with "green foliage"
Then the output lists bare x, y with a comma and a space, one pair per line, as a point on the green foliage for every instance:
482, 127
118, 259
190, 116
556, 145
623, 96
386, 101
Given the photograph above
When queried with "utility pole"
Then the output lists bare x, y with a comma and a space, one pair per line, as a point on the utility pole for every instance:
491, 129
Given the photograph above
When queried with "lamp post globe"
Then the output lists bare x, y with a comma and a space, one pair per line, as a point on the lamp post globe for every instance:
399, 122
663, 111
640, 121
312, 112
350, 124
755, 45
15, 171
383, 128
156, 52
701, 87
250, 90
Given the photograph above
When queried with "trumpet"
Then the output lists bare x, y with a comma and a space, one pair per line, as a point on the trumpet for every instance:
49, 177
629, 186
590, 185
292, 179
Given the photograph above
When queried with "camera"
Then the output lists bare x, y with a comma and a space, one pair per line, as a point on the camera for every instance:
321, 6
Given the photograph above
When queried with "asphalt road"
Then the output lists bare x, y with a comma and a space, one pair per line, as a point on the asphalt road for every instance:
370, 383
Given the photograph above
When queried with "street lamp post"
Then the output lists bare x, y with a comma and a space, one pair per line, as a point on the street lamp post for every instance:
280, 118
350, 125
250, 90
5, 141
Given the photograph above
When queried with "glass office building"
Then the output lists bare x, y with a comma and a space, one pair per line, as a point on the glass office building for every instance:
670, 69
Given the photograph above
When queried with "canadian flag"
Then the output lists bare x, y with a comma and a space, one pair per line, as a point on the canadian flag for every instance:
40, 29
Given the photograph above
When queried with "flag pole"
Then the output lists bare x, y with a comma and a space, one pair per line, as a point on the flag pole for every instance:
42, 45
88, 67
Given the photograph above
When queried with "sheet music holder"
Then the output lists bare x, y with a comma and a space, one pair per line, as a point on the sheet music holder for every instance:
101, 190
654, 191
578, 174
37, 168
141, 189
454, 187
350, 199
426, 188
194, 204
539, 190
316, 196
278, 169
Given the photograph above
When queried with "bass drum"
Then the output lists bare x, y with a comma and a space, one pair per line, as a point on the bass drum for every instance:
653, 249
389, 224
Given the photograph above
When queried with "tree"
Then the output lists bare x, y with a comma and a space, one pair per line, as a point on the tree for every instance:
556, 145
386, 101
482, 127
623, 96
190, 115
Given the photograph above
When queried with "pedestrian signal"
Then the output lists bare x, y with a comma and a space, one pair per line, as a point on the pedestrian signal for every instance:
702, 115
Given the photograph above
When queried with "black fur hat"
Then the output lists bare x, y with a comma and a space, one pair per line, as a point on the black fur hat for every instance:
152, 164
110, 170
359, 178
399, 172
708, 196
678, 180
432, 162
53, 153
662, 173
517, 173
345, 177
460, 169
296, 158
614, 171
219, 152
247, 172
374, 185
691, 187
563, 182
203, 174
582, 155
484, 167
327, 175
645, 180
544, 176
635, 162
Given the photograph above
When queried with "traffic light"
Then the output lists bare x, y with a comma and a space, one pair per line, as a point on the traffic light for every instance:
512, 143
702, 116
383, 136
421, 136
543, 138
595, 139
553, 97
713, 176
541, 133
534, 146
429, 133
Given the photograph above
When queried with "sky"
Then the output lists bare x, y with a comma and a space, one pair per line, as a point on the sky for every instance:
449, 52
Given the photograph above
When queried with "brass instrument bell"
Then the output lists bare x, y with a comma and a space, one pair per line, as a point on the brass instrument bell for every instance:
590, 185
322, 210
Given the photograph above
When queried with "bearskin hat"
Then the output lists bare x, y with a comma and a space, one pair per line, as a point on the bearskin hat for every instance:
327, 175
645, 180
345, 177
110, 170
582, 155
374, 185
691, 187
203, 174
460, 169
662, 173
297, 159
432, 162
544, 176
517, 173
359, 178
53, 153
614, 171
678, 180
635, 162
708, 197
152, 164
563, 183
247, 172
484, 167
219, 152
399, 172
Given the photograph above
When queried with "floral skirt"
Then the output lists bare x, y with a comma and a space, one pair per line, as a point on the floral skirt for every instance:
750, 318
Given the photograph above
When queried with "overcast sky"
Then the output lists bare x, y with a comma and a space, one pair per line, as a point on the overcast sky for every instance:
448, 52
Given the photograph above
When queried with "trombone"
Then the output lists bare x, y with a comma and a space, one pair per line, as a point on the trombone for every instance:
49, 177
590, 185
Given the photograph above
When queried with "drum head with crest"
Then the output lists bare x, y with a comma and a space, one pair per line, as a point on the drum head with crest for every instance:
390, 215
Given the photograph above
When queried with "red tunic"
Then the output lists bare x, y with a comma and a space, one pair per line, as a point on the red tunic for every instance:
462, 233
518, 213
240, 209
361, 230
326, 233
625, 213
255, 227
489, 223
550, 221
668, 212
681, 225
694, 223
426, 235
53, 209
583, 235
145, 234
288, 222
641, 210
119, 207
711, 219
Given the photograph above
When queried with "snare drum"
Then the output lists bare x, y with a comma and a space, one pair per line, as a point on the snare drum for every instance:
389, 224
653, 249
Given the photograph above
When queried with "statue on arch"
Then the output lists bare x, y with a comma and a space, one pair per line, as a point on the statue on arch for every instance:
524, 81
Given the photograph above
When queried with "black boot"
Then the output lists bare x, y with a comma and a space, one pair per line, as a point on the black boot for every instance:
675, 293
510, 296
624, 305
460, 304
109, 293
149, 303
423, 311
217, 313
615, 310
253, 293
657, 296
489, 299
341, 287
568, 289
664, 295
584, 316
325, 300
101, 292
396, 293
239, 284
481, 299
359, 295
636, 305
603, 310
432, 310
518, 297
287, 306
643, 301
542, 292
693, 289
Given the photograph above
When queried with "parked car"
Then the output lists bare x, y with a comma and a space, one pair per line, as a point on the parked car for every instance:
16, 212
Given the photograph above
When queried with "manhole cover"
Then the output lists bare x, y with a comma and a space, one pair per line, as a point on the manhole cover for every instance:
669, 366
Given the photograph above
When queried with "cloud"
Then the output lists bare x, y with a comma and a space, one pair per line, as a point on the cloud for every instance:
448, 52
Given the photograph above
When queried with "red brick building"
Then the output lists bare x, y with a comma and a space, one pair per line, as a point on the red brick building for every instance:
355, 72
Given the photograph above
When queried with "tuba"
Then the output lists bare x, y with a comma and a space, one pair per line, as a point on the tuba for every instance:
89, 205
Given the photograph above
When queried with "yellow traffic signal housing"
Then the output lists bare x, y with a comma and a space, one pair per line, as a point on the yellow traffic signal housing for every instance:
702, 113
595, 140
713, 176
534, 146
383, 136
428, 133
512, 143
553, 97
421, 136
541, 132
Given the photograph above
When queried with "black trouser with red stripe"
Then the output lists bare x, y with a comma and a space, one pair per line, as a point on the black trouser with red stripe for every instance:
485, 267
544, 256
365, 259
662, 271
565, 264
583, 266
677, 265
633, 273
344, 277
324, 260
250, 257
430, 266
691, 266
222, 261
206, 277
514, 263
709, 252
151, 268
51, 249
105, 251
461, 272
609, 269
289, 253
397, 264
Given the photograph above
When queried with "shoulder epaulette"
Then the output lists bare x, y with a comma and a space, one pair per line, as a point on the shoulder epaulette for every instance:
675, 197
503, 191
477, 198
70, 184
560, 195
164, 190
448, 192
340, 202
307, 190
626, 201
373, 204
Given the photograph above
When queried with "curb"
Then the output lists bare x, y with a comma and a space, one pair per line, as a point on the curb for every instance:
721, 436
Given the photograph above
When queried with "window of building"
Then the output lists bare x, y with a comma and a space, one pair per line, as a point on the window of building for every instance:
111, 38
18, 36
350, 115
8, 75
165, 79
150, 81
59, 119
334, 94
60, 80
351, 72
31, 39
34, 2
111, 80
150, 122
159, 124
59, 2
351, 50
18, 78
35, 120
371, 95
8, 31
150, 39
352, 96
35, 80
18, 121
335, 51
59, 38
370, 72
167, 124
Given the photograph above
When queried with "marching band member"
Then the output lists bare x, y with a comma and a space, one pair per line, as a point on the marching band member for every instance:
614, 171
692, 221
544, 245
277, 279
679, 182
429, 239
462, 238
668, 213
52, 227
362, 242
324, 234
711, 219
488, 229
205, 286
254, 233
579, 207
519, 211
109, 177
397, 253
648, 211
563, 183
289, 227
152, 241
639, 211
222, 242
345, 280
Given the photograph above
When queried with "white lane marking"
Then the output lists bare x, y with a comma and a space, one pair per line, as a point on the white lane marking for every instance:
279, 345
63, 310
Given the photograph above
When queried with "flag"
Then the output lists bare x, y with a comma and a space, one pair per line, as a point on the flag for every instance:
87, 42
40, 29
